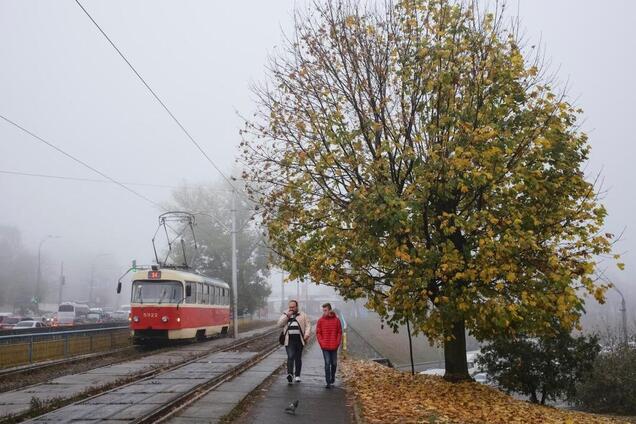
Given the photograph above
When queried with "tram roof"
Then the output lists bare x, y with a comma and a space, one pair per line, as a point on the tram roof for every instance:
179, 275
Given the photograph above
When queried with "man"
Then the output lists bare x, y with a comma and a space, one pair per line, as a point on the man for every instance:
297, 330
329, 335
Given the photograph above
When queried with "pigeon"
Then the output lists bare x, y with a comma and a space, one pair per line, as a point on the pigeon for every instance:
291, 408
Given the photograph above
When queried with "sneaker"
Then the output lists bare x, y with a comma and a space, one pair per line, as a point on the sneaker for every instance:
328, 386
290, 378
297, 379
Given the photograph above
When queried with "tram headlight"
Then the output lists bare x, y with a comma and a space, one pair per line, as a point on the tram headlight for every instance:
136, 318
178, 319
164, 318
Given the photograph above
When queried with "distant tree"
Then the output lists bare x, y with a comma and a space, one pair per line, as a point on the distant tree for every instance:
414, 154
17, 269
610, 384
543, 368
211, 205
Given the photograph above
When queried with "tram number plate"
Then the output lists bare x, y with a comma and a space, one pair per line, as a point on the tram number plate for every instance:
151, 315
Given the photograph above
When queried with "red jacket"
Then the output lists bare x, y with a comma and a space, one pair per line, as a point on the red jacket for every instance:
329, 332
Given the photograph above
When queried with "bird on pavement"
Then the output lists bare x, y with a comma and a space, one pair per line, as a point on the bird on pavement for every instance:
291, 408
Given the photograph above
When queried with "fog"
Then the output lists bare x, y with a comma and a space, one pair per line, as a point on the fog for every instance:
61, 80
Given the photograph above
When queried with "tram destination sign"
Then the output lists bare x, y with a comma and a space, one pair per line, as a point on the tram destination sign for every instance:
154, 275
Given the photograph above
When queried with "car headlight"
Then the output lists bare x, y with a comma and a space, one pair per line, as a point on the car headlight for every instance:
136, 318
164, 318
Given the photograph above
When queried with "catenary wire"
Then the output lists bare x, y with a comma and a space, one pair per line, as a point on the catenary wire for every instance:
81, 162
154, 94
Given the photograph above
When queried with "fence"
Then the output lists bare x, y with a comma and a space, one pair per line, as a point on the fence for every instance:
16, 350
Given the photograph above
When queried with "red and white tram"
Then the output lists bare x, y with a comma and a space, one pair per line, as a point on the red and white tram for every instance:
170, 304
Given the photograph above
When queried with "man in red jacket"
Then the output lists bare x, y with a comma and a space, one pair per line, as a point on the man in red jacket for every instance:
329, 335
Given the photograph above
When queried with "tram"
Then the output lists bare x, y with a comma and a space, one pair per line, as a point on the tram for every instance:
172, 304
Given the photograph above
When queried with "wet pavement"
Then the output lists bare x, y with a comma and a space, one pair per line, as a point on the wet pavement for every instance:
316, 404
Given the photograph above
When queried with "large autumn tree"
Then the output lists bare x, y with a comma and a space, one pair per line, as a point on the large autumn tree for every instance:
415, 155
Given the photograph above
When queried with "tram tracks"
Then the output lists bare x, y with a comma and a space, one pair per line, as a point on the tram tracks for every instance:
57, 404
168, 410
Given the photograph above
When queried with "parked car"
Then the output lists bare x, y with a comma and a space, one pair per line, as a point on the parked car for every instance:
120, 316
28, 324
8, 322
482, 378
94, 318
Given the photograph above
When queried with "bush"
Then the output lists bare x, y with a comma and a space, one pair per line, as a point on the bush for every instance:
610, 385
542, 368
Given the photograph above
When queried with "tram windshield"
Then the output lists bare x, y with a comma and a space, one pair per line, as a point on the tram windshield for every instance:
157, 291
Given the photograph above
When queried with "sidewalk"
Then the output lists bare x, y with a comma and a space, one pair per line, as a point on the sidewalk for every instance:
316, 403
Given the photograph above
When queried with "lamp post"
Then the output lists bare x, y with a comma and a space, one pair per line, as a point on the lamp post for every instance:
39, 276
623, 310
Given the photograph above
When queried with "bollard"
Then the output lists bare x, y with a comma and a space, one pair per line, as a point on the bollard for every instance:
31, 350
344, 344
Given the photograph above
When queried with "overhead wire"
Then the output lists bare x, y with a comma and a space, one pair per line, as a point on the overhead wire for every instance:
81, 162
154, 94
95, 180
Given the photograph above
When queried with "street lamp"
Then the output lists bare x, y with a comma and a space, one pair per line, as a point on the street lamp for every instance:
624, 315
39, 276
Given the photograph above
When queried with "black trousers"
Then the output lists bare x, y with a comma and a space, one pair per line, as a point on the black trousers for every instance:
294, 355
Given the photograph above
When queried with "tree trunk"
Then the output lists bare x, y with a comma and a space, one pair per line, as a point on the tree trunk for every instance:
533, 397
455, 353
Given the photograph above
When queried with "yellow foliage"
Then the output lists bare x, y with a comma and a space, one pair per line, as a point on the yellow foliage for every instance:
389, 396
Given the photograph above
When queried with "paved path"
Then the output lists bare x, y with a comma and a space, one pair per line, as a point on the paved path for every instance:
317, 405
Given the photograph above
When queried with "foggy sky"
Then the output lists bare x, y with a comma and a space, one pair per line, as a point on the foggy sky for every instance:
60, 79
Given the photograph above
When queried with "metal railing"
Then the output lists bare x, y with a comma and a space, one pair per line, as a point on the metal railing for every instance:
25, 349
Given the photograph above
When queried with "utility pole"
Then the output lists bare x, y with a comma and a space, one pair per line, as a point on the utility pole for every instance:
408, 331
62, 282
92, 282
39, 276
234, 270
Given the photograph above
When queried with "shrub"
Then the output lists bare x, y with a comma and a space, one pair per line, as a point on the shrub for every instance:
543, 368
610, 385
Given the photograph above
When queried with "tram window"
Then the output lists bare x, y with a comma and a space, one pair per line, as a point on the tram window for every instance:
199, 293
193, 296
206, 294
216, 295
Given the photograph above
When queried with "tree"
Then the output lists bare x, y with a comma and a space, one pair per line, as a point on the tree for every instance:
212, 208
17, 269
412, 155
547, 366
610, 384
